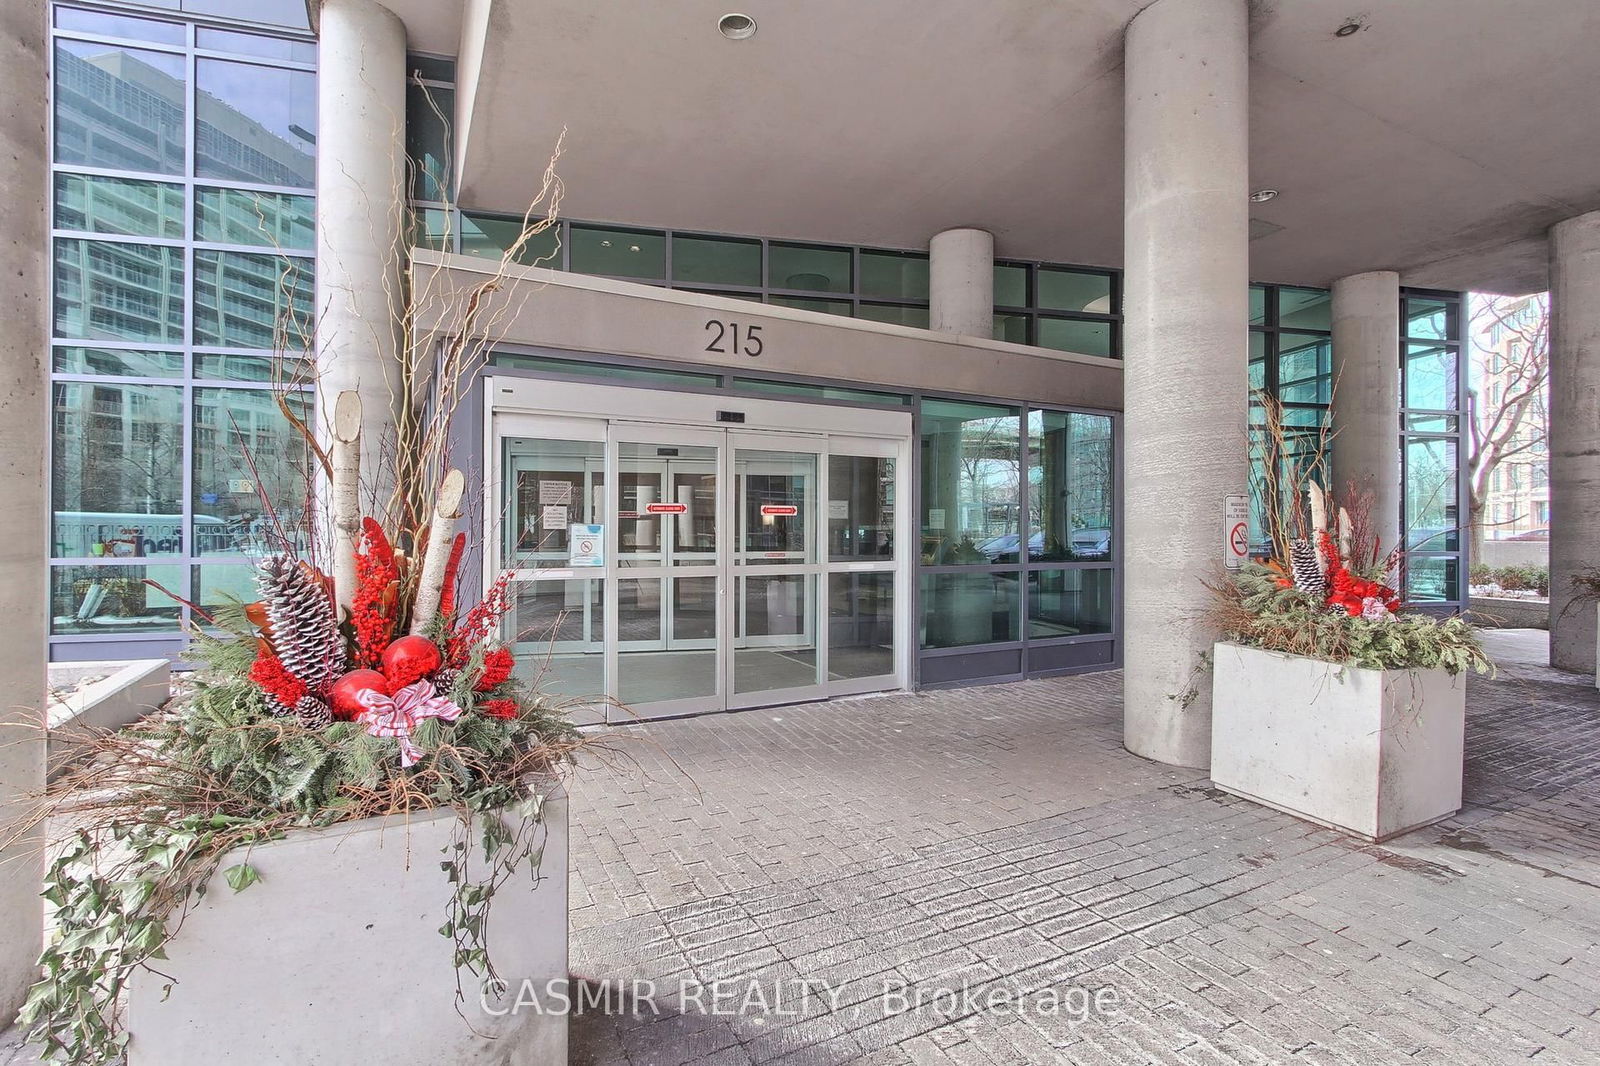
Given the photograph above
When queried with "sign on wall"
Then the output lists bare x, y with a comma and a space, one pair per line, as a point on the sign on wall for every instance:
1236, 531
587, 546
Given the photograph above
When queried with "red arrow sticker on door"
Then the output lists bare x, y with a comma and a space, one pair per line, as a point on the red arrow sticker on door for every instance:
666, 508
782, 510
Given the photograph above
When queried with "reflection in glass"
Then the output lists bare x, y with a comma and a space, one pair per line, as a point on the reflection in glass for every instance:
666, 505
808, 267
117, 470
1258, 361
777, 507
1430, 494
1011, 328
254, 44
617, 253
776, 646
114, 291
265, 219
245, 300
1258, 305
971, 463
860, 507
1431, 579
894, 314
255, 123
1066, 603
1305, 368
274, 12
1074, 335
959, 609
1071, 486
1066, 290
245, 452
490, 238
550, 485
860, 625
103, 600
1429, 319
119, 205
231, 366
121, 361
1305, 308
1431, 377
716, 261
119, 108
429, 111
557, 629
1010, 286
677, 660
825, 307
215, 584
108, 25
896, 275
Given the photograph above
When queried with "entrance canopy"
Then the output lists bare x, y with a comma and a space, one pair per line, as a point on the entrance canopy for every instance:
1440, 138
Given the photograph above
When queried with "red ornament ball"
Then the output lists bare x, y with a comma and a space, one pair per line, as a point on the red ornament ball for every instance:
409, 659
345, 694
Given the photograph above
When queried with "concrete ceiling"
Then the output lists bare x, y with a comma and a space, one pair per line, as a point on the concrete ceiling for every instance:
1442, 139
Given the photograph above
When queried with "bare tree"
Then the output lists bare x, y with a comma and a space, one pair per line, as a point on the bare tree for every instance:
1508, 421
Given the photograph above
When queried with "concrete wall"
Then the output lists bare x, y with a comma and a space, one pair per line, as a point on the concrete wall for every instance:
24, 347
1515, 553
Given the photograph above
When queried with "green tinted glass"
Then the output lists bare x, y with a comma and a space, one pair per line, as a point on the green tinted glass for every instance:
119, 205
716, 261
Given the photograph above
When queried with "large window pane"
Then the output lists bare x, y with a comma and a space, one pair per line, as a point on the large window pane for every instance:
106, 600
1305, 368
1074, 335
1066, 290
1012, 328
491, 237
266, 219
716, 261
118, 291
242, 300
1431, 579
1258, 305
1430, 491
959, 609
860, 507
254, 44
273, 12
1010, 286
1258, 361
255, 123
1305, 309
246, 451
1071, 486
116, 469
618, 253
429, 112
122, 362
808, 268
119, 108
1430, 319
272, 369
1068, 603
860, 625
971, 465
896, 275
894, 314
1431, 376
824, 307
109, 25
119, 205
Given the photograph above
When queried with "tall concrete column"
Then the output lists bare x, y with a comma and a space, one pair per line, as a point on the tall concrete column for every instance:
1574, 434
361, 118
961, 282
1366, 396
24, 414
1186, 338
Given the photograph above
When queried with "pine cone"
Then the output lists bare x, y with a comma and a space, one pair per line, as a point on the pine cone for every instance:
1308, 577
305, 630
313, 713
444, 679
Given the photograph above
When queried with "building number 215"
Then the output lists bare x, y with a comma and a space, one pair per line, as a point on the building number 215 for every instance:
729, 332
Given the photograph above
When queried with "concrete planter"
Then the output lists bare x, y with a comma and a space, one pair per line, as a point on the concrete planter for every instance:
335, 958
1371, 752
1500, 612
126, 692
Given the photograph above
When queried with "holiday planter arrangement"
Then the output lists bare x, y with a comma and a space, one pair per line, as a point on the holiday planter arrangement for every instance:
1329, 701
346, 843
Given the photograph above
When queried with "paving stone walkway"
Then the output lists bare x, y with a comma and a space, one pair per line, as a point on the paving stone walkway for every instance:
897, 852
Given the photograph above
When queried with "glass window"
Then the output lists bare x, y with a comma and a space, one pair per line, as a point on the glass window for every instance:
1069, 603
273, 369
274, 12
808, 268
1429, 319
217, 584
1010, 287
1066, 290
254, 44
1431, 377
1430, 490
860, 507
1012, 328
896, 275
246, 452
1258, 305
265, 219
825, 307
894, 314
1305, 368
1071, 486
118, 291
822, 392
1075, 335
119, 108
860, 625
1258, 361
244, 300
120, 361
429, 228
1305, 309
430, 111
617, 253
1431, 579
491, 237
119, 205
620, 375
255, 123
108, 600
432, 68
116, 470
108, 25
971, 463
972, 607
716, 261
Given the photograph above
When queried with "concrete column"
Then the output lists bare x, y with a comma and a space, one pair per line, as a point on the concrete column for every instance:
961, 282
24, 414
1366, 395
361, 118
1186, 334
1574, 434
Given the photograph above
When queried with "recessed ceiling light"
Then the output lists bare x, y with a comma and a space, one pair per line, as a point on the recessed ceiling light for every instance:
736, 27
1348, 28
1261, 196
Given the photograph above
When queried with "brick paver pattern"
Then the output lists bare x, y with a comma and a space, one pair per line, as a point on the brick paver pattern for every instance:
1000, 840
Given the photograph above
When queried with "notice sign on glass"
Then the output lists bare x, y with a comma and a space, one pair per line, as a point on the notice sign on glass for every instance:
555, 492
587, 546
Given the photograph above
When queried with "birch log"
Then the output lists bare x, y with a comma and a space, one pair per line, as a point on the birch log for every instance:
345, 493
436, 557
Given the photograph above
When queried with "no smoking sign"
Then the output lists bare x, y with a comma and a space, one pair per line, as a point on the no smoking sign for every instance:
1236, 531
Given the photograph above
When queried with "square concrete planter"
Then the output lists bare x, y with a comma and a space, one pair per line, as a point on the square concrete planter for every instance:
1372, 752
124, 693
334, 958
